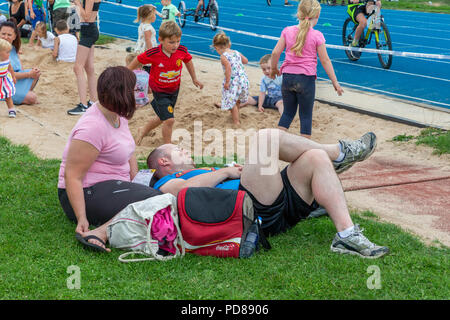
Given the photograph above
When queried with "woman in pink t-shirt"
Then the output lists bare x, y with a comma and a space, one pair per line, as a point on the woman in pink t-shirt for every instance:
98, 161
299, 69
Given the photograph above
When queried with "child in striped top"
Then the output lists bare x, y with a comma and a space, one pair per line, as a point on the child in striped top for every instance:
7, 77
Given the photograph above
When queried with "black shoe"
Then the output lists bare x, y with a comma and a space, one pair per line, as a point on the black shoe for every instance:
196, 18
89, 104
79, 109
288, 4
129, 49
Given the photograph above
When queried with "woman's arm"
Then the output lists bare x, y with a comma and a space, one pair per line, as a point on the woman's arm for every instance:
276, 53
80, 157
86, 12
33, 73
133, 167
328, 66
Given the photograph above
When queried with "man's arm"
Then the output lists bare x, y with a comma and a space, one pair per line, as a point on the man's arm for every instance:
210, 179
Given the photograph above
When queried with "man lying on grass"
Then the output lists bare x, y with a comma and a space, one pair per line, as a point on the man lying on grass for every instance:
283, 198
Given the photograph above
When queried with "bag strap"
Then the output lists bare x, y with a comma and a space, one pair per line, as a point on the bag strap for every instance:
262, 238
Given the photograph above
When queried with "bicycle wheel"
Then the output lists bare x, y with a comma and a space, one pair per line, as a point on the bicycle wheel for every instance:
383, 42
213, 15
269, 2
348, 32
182, 18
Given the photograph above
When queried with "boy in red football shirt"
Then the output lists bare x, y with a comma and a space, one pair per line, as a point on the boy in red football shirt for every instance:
165, 76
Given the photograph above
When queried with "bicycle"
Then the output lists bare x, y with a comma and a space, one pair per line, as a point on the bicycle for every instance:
376, 27
211, 11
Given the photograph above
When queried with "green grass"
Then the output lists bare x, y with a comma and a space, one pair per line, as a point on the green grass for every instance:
437, 6
438, 139
102, 40
37, 246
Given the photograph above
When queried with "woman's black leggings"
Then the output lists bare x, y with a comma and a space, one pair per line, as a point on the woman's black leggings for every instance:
298, 92
106, 199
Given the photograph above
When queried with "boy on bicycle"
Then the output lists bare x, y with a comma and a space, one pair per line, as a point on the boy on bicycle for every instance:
358, 10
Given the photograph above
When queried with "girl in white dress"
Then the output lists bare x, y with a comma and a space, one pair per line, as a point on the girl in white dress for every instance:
236, 84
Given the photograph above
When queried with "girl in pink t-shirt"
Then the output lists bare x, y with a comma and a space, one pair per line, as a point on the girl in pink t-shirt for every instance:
299, 69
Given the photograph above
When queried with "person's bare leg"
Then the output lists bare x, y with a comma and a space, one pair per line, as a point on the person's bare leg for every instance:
151, 124
280, 106
100, 232
362, 23
313, 177
235, 114
78, 68
250, 102
260, 174
167, 130
91, 77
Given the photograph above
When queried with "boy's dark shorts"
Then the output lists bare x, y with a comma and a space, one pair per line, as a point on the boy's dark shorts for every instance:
286, 211
164, 104
269, 102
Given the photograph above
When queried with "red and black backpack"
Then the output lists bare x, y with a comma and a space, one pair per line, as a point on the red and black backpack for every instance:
215, 222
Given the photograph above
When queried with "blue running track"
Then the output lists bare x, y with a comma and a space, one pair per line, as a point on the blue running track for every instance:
422, 80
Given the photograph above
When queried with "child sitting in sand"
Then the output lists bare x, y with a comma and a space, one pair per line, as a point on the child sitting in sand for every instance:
235, 84
141, 90
270, 89
46, 39
7, 77
65, 44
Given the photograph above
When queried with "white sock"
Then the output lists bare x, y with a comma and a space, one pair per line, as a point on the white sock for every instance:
345, 233
341, 155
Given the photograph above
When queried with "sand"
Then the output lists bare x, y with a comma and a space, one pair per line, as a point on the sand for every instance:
45, 127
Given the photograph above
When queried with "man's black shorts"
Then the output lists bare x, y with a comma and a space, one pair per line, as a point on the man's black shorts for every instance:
164, 104
286, 211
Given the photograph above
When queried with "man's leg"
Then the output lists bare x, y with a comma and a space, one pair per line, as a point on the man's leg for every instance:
313, 176
261, 171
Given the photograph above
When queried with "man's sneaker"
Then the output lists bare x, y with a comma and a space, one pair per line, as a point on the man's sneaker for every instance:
320, 211
355, 151
79, 109
12, 113
355, 54
357, 244
89, 104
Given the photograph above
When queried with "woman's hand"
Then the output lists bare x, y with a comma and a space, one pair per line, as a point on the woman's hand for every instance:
82, 226
274, 72
34, 73
226, 85
338, 88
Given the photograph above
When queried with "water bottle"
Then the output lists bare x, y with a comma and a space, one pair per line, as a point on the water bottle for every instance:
369, 22
248, 248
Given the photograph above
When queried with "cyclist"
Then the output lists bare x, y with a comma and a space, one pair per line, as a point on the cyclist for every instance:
358, 10
199, 6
